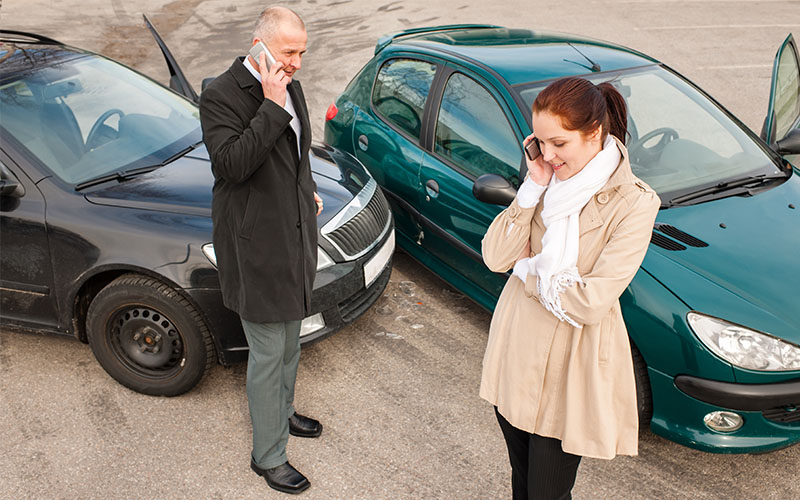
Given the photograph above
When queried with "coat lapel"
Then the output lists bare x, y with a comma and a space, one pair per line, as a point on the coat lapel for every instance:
589, 217
298, 99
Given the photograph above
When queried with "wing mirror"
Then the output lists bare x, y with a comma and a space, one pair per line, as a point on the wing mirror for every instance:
11, 188
790, 144
494, 189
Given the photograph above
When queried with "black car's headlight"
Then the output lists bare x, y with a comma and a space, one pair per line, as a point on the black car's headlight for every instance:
744, 347
323, 259
208, 250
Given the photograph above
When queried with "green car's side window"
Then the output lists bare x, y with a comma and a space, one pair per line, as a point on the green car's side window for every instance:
472, 131
400, 92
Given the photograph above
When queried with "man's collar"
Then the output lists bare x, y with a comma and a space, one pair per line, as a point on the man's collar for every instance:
256, 74
241, 73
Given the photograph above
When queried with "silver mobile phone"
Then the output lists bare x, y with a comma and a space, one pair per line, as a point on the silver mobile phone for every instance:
255, 52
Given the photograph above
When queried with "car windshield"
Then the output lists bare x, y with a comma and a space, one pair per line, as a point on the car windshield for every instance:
90, 117
680, 141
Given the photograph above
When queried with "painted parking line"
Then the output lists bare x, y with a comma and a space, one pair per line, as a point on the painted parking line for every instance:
737, 66
716, 26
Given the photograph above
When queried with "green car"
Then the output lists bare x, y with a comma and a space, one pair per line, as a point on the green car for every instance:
438, 117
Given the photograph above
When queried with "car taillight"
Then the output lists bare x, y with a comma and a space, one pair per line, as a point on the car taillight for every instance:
331, 113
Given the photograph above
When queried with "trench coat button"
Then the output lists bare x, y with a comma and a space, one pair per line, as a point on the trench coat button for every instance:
513, 211
602, 198
298, 223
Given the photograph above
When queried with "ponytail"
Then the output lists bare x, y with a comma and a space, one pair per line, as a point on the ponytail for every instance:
617, 111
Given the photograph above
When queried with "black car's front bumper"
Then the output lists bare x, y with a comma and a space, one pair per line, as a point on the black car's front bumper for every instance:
339, 294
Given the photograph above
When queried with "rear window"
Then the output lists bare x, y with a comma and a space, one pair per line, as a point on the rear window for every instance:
400, 92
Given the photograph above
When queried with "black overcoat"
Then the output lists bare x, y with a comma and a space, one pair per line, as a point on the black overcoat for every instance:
263, 209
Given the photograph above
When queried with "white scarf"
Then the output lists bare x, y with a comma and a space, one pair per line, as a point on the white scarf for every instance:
556, 265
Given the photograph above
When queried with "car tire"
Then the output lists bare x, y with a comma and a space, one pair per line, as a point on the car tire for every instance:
644, 398
149, 337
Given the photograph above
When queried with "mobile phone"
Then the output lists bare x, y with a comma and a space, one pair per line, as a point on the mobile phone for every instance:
532, 149
255, 52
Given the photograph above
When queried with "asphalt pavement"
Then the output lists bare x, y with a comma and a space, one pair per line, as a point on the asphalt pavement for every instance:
397, 390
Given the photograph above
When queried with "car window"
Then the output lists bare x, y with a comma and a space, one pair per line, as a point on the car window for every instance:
787, 94
472, 130
679, 140
90, 117
400, 92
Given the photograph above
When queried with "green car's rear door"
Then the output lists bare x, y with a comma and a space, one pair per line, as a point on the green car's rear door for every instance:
470, 135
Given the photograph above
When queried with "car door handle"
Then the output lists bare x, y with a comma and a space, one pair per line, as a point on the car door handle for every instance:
432, 188
363, 142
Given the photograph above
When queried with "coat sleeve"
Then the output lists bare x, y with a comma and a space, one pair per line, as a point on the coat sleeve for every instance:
506, 237
238, 149
588, 303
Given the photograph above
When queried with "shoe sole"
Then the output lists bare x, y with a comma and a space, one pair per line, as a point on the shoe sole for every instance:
292, 491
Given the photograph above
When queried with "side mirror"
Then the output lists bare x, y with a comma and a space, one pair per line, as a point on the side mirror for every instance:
206, 81
494, 189
11, 188
790, 144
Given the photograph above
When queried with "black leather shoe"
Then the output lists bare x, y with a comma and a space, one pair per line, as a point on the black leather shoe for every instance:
306, 427
283, 478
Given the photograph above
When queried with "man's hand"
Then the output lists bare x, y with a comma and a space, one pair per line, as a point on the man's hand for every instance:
539, 170
319, 203
273, 81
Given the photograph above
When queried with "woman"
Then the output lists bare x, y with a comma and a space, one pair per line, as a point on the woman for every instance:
558, 365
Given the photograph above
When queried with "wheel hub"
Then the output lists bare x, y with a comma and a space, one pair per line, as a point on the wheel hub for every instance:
146, 339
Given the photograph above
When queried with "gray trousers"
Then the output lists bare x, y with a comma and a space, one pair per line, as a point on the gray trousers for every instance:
271, 373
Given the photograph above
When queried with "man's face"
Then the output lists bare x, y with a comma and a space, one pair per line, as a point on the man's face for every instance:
288, 46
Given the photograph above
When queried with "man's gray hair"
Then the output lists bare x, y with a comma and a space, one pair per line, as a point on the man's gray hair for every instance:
272, 18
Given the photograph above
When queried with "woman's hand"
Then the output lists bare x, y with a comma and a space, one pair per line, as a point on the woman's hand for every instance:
539, 170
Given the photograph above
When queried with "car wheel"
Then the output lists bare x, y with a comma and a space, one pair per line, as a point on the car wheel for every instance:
644, 398
148, 337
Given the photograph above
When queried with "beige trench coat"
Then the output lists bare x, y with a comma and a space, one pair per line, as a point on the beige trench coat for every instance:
546, 376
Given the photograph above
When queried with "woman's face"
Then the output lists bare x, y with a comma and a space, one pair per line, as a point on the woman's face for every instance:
567, 151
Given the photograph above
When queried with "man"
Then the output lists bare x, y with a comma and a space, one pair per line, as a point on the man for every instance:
255, 125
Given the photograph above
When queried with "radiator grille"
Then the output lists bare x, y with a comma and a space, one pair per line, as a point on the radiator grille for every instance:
362, 231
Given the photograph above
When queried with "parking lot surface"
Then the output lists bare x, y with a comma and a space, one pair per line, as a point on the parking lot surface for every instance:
397, 391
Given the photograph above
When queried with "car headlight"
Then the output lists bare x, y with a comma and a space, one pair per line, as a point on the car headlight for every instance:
323, 260
744, 347
208, 250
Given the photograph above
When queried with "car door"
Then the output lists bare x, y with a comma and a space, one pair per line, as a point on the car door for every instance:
387, 134
471, 135
27, 297
783, 113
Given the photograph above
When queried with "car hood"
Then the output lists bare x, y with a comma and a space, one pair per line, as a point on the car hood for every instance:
748, 272
184, 186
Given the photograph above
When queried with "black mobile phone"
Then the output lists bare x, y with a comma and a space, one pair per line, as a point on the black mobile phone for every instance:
532, 149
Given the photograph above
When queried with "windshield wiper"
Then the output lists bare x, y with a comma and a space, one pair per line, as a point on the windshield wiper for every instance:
726, 188
124, 175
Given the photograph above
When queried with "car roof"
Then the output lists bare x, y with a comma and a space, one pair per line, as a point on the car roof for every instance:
21, 52
526, 55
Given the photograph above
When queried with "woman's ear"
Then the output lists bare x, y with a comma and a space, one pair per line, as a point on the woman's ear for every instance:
596, 134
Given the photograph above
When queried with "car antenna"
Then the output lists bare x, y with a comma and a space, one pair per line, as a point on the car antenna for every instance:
595, 67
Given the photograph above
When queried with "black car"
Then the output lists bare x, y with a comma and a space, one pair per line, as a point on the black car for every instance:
105, 214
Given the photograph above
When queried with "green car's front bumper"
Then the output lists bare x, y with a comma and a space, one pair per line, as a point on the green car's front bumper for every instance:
771, 413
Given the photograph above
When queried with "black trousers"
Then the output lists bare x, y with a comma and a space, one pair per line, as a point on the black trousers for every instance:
540, 469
